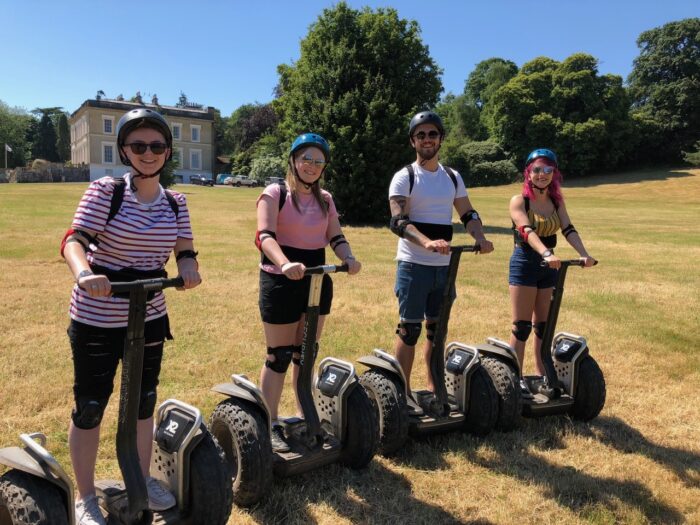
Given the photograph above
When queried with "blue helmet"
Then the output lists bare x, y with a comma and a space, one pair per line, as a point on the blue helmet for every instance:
311, 139
539, 153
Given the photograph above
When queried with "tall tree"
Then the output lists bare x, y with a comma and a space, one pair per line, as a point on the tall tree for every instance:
14, 124
250, 122
568, 107
665, 87
44, 146
360, 76
63, 138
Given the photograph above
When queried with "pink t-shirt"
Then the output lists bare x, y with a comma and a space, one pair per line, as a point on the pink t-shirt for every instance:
305, 228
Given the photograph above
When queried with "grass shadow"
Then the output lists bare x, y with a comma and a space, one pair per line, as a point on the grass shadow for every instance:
373, 495
629, 177
616, 433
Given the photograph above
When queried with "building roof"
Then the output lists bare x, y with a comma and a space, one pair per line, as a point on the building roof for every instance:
206, 113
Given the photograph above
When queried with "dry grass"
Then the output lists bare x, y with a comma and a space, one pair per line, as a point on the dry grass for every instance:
639, 462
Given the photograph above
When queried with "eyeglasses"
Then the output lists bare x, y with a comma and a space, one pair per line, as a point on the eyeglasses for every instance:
547, 170
431, 135
310, 161
139, 148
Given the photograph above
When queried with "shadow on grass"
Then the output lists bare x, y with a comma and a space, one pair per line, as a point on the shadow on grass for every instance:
616, 433
373, 495
630, 177
575, 489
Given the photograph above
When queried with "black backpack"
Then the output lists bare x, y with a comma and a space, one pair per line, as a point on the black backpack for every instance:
118, 198
412, 177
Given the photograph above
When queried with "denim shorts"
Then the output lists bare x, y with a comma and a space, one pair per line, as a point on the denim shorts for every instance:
525, 270
420, 291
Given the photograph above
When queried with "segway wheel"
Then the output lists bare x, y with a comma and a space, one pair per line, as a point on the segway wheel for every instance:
361, 433
589, 398
506, 382
241, 429
210, 484
28, 500
483, 404
389, 398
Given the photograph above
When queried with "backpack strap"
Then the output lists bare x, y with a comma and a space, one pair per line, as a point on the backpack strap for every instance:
118, 199
283, 194
412, 177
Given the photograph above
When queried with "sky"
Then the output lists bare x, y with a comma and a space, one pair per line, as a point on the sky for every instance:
225, 54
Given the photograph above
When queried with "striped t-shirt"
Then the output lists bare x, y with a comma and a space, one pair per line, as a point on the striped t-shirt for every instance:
140, 236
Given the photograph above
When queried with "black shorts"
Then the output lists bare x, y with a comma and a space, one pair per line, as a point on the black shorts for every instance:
283, 301
97, 351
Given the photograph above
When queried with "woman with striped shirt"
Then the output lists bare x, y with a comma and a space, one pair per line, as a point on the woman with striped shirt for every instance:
129, 243
537, 214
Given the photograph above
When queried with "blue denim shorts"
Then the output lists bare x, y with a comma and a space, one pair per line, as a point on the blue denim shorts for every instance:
420, 290
525, 270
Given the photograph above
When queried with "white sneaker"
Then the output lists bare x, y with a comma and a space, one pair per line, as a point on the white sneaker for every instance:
87, 512
158, 497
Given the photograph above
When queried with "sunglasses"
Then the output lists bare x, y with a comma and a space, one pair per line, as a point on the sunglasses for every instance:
310, 161
547, 170
139, 148
431, 135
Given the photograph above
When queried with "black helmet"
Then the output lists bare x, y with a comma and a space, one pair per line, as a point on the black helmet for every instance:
426, 117
142, 117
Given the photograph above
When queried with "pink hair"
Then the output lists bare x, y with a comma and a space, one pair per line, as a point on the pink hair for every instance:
554, 189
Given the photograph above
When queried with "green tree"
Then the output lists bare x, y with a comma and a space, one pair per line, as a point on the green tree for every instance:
167, 174
568, 107
63, 138
14, 126
44, 146
693, 157
665, 87
360, 76
267, 166
248, 123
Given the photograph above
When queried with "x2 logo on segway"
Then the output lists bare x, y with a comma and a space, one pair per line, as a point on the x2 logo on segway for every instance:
459, 359
332, 379
172, 430
566, 349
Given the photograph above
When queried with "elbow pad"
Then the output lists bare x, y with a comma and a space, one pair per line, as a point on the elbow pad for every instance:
79, 236
261, 235
398, 224
471, 215
569, 230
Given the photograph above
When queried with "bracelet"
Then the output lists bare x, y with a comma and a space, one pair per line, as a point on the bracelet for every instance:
84, 273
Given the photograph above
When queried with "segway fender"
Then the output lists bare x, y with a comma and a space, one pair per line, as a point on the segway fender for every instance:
460, 362
385, 361
332, 385
242, 388
35, 460
567, 352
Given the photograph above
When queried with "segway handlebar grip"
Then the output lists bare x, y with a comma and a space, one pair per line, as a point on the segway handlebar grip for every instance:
568, 262
326, 268
466, 248
148, 285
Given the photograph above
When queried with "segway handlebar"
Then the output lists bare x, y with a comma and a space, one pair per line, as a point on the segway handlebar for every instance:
568, 262
149, 285
466, 248
326, 268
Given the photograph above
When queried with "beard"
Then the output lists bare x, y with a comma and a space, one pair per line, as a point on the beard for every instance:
428, 153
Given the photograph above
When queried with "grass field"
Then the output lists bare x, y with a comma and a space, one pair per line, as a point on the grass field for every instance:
638, 462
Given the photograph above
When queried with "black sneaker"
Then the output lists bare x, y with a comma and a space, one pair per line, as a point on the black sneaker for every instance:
277, 439
525, 390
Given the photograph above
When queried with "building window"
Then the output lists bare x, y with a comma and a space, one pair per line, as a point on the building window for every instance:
108, 125
177, 131
107, 153
196, 159
195, 132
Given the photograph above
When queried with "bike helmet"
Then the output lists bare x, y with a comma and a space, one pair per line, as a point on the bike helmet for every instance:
426, 117
311, 139
539, 153
142, 117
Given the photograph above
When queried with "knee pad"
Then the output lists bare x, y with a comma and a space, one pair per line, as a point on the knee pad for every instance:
283, 356
88, 412
521, 330
409, 332
147, 404
539, 328
430, 330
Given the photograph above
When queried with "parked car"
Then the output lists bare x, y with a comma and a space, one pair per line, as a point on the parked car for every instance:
221, 178
228, 181
273, 180
244, 180
201, 180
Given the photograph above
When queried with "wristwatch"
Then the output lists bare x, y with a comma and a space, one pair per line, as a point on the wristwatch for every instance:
84, 273
547, 253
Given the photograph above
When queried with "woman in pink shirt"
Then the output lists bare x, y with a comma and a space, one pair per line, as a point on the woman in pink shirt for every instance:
296, 221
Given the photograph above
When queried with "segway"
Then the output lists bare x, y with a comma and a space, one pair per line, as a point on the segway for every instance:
338, 423
464, 397
37, 491
573, 382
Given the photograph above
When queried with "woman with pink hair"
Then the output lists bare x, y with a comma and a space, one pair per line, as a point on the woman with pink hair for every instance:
537, 214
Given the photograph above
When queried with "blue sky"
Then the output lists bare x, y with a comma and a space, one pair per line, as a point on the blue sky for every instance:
224, 54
